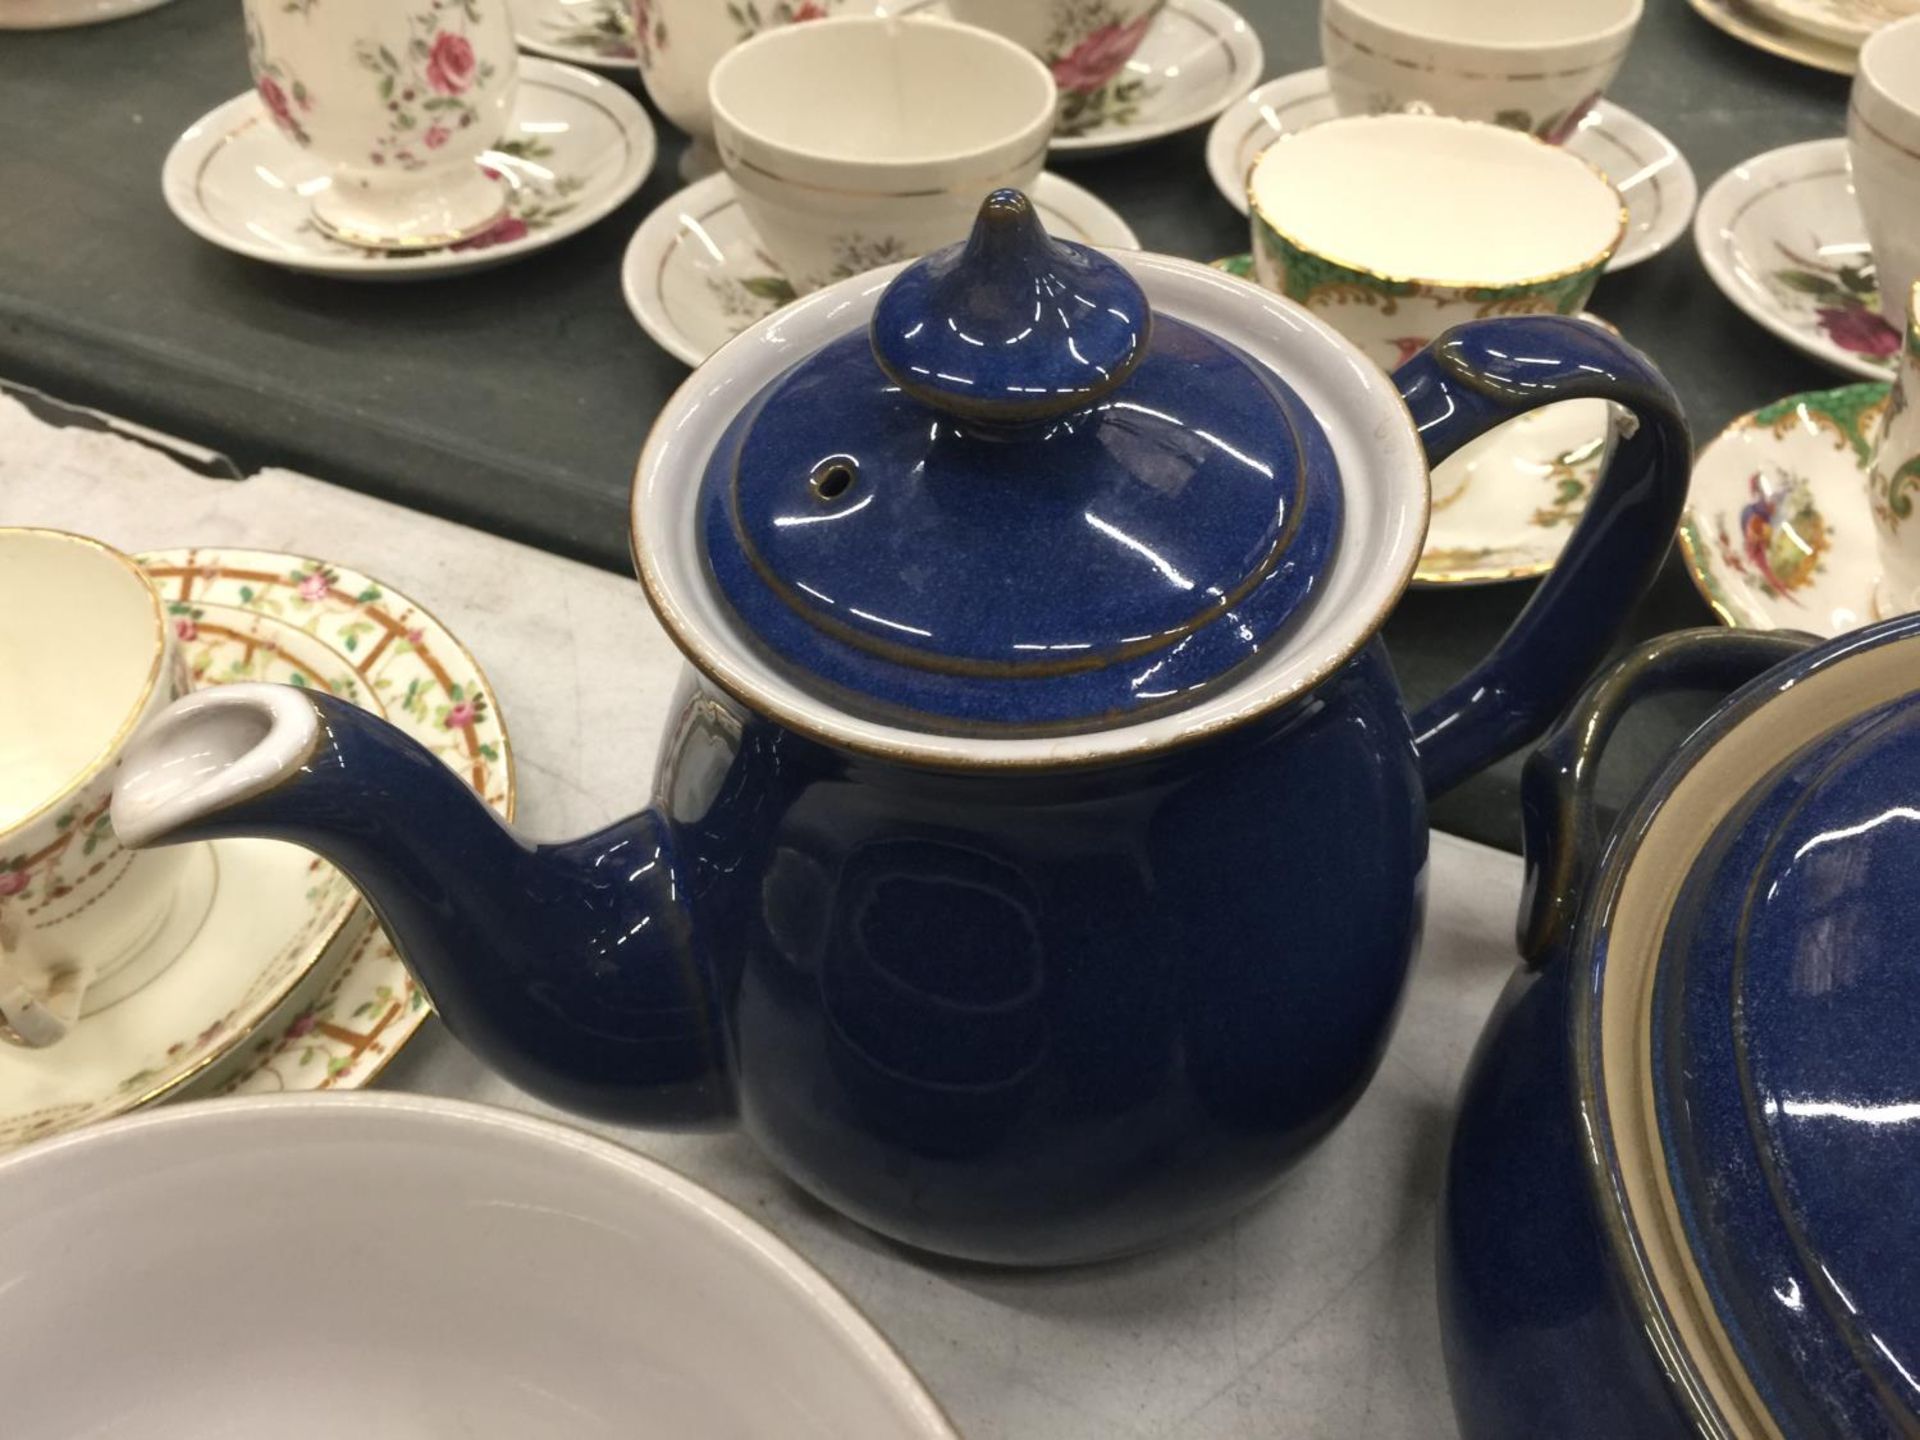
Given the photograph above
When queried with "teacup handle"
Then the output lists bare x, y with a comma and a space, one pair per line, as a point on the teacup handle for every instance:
1480, 375
34, 1017
1561, 837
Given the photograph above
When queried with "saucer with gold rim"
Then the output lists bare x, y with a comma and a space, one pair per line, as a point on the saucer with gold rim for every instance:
1504, 505
1777, 533
577, 147
288, 984
1747, 23
1846, 23
596, 33
1783, 238
695, 274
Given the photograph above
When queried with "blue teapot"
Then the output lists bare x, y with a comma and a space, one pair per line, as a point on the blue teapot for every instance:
1040, 840
1680, 1196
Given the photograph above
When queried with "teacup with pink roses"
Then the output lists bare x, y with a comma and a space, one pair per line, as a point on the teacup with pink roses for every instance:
401, 100
1086, 43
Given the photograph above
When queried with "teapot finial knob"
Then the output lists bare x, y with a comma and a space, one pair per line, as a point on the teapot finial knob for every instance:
1011, 327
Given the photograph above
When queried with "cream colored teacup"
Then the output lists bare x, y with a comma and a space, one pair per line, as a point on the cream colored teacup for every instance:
1883, 149
678, 42
399, 98
1395, 228
1533, 65
1085, 43
860, 141
86, 656
1893, 478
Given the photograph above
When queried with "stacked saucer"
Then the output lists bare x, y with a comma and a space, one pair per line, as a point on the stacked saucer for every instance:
288, 984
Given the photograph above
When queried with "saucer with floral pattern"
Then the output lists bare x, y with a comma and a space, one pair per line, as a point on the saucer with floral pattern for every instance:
577, 147
695, 274
1783, 238
1198, 58
1777, 533
288, 985
597, 33
1648, 170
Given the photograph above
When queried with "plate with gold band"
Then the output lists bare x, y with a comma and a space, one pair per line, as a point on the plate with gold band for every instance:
288, 984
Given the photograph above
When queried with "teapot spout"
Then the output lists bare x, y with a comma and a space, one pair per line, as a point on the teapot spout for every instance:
573, 968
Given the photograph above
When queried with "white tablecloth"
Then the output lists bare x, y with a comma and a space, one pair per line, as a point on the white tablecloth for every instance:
1312, 1315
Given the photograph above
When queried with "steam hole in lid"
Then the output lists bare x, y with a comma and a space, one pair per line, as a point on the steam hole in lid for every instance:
833, 478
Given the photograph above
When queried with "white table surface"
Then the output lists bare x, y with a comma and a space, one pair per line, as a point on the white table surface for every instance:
1311, 1315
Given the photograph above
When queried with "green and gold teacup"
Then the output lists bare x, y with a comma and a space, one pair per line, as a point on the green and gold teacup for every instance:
1395, 228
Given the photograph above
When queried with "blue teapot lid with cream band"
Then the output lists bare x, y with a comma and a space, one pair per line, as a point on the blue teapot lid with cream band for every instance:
1785, 1030
1019, 502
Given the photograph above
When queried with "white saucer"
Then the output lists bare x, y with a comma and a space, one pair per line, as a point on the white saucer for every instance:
1782, 237
1848, 23
694, 275
1653, 177
59, 14
1777, 532
1196, 61
579, 146
598, 33
1746, 23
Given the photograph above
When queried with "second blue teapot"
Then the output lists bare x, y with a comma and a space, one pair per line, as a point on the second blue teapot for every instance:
1040, 839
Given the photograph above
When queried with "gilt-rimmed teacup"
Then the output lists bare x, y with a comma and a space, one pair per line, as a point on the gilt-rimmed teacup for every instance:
1883, 150
1395, 228
400, 98
678, 42
86, 656
1085, 43
859, 141
1533, 65
1893, 477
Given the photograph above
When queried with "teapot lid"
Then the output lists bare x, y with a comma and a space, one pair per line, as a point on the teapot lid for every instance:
1019, 503
1787, 1075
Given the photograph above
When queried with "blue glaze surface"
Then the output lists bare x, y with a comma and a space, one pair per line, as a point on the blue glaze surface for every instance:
1010, 326
1012, 1020
1789, 1085
1023, 1017
1471, 379
1117, 562
1546, 1328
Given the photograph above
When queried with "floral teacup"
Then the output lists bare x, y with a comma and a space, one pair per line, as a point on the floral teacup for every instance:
90, 656
1396, 228
1533, 65
400, 98
1893, 479
678, 43
1883, 150
837, 188
1086, 43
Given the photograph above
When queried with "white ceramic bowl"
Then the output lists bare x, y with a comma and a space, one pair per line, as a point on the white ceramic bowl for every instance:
392, 1265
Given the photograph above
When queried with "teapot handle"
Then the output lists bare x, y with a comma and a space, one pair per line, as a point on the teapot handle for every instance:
1560, 837
1480, 375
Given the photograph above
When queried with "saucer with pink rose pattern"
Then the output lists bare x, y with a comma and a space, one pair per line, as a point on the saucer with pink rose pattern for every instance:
578, 146
1783, 238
